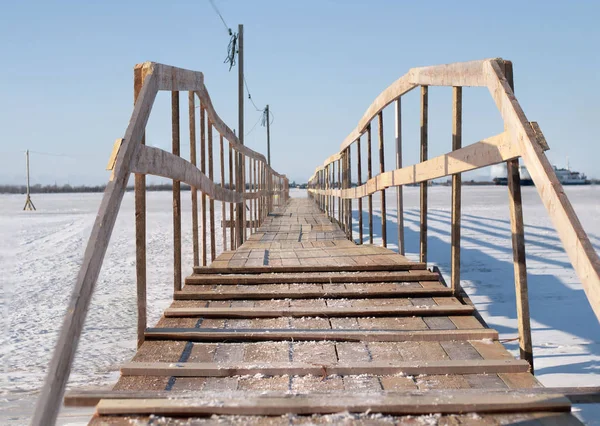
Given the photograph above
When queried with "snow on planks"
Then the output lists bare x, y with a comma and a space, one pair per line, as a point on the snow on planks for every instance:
343, 327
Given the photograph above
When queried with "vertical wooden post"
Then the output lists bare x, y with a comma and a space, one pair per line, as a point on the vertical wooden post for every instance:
339, 186
518, 242
203, 170
256, 207
211, 201
424, 119
194, 191
456, 191
399, 189
359, 183
244, 211
223, 213
232, 238
349, 185
268, 119
381, 170
176, 194
369, 176
140, 228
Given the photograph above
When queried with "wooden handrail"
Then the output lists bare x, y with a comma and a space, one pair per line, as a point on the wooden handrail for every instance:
133, 156
520, 139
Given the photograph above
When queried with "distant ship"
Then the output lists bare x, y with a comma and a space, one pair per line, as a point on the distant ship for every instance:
565, 177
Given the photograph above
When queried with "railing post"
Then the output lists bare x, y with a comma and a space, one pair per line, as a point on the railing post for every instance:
456, 191
194, 191
339, 186
359, 183
349, 185
399, 189
518, 242
382, 170
211, 201
140, 228
203, 170
176, 143
423, 230
223, 213
232, 239
369, 176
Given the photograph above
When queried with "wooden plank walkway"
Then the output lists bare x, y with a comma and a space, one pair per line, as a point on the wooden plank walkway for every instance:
300, 323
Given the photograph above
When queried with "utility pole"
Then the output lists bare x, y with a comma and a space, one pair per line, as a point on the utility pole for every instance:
241, 187
268, 136
28, 203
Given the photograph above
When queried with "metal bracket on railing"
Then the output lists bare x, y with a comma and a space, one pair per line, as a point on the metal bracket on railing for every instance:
539, 136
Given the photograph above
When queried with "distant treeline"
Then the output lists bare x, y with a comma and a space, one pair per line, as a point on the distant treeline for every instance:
55, 189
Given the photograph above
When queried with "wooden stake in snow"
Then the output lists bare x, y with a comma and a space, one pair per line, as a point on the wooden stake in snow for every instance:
28, 203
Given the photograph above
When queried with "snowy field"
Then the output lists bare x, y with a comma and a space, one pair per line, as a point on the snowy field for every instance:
40, 253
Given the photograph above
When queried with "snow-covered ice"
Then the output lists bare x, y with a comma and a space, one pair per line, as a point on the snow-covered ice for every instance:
40, 253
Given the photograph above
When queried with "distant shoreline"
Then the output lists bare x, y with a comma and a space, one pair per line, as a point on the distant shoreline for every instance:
68, 189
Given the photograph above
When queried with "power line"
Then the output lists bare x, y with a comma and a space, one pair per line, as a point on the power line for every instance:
253, 127
220, 16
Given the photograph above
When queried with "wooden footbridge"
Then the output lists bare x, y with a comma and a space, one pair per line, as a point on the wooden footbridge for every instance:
298, 320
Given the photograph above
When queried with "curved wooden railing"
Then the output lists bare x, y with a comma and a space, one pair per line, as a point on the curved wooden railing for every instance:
331, 184
252, 189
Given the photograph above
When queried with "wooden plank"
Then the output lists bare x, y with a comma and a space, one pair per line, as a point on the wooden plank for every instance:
227, 369
308, 404
189, 294
319, 312
212, 335
369, 177
89, 398
211, 202
316, 277
193, 190
313, 268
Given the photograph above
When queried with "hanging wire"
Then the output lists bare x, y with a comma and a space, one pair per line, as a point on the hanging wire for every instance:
231, 50
51, 154
220, 16
254, 127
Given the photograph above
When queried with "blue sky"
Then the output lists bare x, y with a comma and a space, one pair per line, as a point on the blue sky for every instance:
66, 74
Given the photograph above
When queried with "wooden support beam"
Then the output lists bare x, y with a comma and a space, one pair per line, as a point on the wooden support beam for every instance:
423, 196
399, 195
316, 277
211, 270
249, 335
140, 226
359, 183
369, 176
209, 369
338, 293
211, 202
231, 206
203, 170
176, 144
194, 190
456, 191
91, 397
371, 311
382, 170
222, 170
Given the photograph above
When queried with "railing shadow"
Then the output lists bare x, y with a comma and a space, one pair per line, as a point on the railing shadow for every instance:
487, 276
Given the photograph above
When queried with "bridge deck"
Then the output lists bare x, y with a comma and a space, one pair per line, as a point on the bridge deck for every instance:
299, 323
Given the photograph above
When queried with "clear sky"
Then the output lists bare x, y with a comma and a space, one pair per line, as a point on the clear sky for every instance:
66, 74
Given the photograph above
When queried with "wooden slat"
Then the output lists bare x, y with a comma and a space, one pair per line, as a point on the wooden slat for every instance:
320, 312
207, 369
189, 294
214, 335
317, 404
313, 268
371, 277
89, 398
